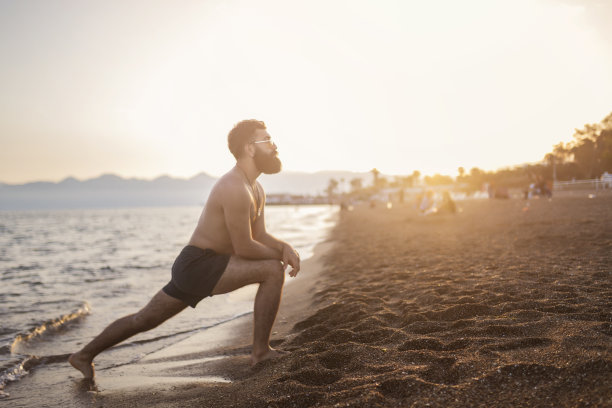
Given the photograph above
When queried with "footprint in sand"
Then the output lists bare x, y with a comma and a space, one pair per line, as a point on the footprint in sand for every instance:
310, 376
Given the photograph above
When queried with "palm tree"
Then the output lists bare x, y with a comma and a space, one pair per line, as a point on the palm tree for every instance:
416, 175
375, 173
356, 184
461, 172
331, 189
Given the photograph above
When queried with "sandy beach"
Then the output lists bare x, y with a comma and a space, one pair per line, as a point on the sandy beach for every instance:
500, 305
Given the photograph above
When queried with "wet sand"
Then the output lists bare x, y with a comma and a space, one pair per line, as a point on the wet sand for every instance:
500, 305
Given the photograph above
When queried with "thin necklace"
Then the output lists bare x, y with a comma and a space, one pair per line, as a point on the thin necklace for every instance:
255, 194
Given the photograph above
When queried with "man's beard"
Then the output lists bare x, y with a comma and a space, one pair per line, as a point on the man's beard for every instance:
267, 163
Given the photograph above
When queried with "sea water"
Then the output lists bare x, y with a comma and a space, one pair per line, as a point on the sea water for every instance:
65, 275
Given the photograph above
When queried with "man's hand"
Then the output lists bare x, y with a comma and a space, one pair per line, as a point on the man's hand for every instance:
291, 258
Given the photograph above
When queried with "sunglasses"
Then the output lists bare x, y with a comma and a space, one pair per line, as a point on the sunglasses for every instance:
269, 141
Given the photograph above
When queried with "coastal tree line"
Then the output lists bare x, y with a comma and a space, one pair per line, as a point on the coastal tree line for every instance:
587, 156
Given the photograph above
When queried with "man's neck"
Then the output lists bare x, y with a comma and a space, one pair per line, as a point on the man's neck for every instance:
249, 170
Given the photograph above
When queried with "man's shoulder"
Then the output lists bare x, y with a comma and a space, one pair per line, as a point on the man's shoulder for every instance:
229, 186
229, 179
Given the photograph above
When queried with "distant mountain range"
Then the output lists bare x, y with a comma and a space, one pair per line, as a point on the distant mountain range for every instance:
111, 191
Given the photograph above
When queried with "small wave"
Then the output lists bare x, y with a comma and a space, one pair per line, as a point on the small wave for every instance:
9, 295
24, 366
7, 330
12, 374
151, 340
27, 363
93, 280
34, 361
51, 302
52, 324
178, 333
24, 268
145, 267
42, 251
139, 342
32, 283
78, 269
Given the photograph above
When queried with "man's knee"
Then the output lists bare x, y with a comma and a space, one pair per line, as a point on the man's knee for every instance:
275, 272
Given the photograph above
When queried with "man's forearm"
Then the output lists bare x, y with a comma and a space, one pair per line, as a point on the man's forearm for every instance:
259, 250
271, 241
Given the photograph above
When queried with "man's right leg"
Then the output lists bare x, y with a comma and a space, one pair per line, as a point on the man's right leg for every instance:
159, 309
270, 275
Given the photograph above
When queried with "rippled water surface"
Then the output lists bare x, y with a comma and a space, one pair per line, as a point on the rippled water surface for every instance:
65, 275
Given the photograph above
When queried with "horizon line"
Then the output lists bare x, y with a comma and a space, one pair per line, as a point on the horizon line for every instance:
110, 173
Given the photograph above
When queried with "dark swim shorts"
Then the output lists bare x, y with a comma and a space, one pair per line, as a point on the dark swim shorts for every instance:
195, 273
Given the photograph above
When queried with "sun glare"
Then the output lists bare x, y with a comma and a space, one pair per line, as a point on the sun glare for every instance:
394, 85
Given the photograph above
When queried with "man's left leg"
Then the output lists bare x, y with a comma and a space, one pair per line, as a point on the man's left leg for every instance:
270, 275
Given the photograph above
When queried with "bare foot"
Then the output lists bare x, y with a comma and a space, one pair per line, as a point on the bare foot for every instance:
83, 364
87, 384
269, 355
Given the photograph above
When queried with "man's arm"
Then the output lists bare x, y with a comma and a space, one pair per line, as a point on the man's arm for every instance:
237, 212
289, 256
261, 235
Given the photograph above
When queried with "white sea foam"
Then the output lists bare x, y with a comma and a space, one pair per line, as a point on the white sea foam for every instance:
48, 326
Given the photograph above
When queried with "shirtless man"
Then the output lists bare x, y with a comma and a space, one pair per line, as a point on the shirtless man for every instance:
229, 249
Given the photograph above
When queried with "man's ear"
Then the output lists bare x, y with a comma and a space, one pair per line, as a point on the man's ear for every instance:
249, 150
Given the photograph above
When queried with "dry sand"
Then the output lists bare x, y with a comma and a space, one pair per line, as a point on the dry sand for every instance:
500, 305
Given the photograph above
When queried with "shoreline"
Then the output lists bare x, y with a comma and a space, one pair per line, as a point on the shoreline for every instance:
206, 363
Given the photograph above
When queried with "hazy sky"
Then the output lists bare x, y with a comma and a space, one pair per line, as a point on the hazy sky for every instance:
145, 88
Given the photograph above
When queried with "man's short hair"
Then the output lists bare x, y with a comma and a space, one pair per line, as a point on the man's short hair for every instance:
241, 134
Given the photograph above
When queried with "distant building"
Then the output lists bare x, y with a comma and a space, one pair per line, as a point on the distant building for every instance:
291, 199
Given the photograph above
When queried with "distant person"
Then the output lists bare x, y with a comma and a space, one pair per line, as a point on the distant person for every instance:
606, 179
427, 203
543, 187
229, 249
539, 188
531, 190
417, 200
448, 204
490, 190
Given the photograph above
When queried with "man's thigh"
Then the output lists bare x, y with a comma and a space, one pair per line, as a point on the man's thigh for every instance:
242, 272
